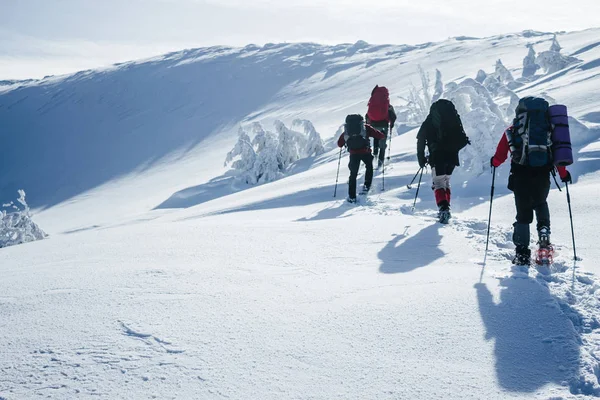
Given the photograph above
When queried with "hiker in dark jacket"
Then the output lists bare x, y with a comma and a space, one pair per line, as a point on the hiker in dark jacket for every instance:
443, 158
356, 137
530, 186
383, 123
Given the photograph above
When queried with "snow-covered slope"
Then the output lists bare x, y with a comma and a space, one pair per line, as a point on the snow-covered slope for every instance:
281, 290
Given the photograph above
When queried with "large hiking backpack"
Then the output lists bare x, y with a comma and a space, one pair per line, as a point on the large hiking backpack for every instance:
355, 133
379, 104
530, 137
450, 135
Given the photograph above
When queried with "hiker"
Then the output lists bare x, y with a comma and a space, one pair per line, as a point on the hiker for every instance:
356, 137
529, 177
443, 133
381, 116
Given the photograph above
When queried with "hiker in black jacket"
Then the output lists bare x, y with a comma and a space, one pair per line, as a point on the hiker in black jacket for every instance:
443, 134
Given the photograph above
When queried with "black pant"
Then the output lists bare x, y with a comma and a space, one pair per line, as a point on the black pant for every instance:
379, 145
354, 165
531, 188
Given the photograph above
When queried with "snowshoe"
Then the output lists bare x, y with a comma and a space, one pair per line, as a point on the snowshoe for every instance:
545, 256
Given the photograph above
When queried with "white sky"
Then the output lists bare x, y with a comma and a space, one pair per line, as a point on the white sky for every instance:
40, 37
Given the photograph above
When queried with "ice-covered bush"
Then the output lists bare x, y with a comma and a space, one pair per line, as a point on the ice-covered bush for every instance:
268, 155
16, 225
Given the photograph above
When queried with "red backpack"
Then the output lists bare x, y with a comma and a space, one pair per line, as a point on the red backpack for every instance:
379, 104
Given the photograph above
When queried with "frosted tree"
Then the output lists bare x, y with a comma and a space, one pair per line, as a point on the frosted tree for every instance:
555, 46
529, 65
16, 225
314, 144
244, 151
552, 61
419, 100
266, 167
438, 87
481, 75
290, 143
261, 137
482, 119
502, 73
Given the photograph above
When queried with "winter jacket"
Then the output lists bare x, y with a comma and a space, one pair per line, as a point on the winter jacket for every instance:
371, 132
379, 124
428, 136
503, 150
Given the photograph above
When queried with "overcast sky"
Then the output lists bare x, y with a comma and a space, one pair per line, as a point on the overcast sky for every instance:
41, 37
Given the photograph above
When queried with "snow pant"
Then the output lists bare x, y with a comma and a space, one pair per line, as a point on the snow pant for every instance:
531, 189
354, 165
379, 145
441, 183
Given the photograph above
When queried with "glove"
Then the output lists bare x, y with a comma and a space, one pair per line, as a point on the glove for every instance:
492, 162
422, 161
567, 178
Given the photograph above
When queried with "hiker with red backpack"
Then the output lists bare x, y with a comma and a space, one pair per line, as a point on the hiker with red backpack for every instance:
356, 138
381, 116
443, 134
537, 141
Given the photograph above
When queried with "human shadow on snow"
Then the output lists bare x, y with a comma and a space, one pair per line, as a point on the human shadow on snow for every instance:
415, 252
535, 340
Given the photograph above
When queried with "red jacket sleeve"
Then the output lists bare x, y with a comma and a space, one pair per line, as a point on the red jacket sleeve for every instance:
501, 151
374, 133
341, 141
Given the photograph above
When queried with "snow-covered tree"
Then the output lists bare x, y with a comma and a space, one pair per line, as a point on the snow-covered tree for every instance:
555, 46
481, 75
16, 225
314, 143
247, 157
266, 167
502, 73
419, 100
552, 61
438, 86
262, 138
289, 145
529, 65
268, 156
482, 119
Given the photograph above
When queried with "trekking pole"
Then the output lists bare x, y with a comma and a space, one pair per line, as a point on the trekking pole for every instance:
390, 146
418, 186
413, 179
487, 240
338, 172
571, 217
383, 177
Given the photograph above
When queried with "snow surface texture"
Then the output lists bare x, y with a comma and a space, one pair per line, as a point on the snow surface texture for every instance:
164, 279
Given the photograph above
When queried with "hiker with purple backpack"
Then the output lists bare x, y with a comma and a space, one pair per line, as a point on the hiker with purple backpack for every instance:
538, 142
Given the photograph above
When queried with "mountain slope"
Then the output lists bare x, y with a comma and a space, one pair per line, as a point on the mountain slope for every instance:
281, 290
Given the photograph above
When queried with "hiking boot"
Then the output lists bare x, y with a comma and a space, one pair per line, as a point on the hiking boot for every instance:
544, 237
522, 256
444, 214
351, 199
365, 189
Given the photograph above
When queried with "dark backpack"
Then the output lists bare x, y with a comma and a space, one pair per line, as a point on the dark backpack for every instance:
530, 136
379, 104
449, 132
355, 133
